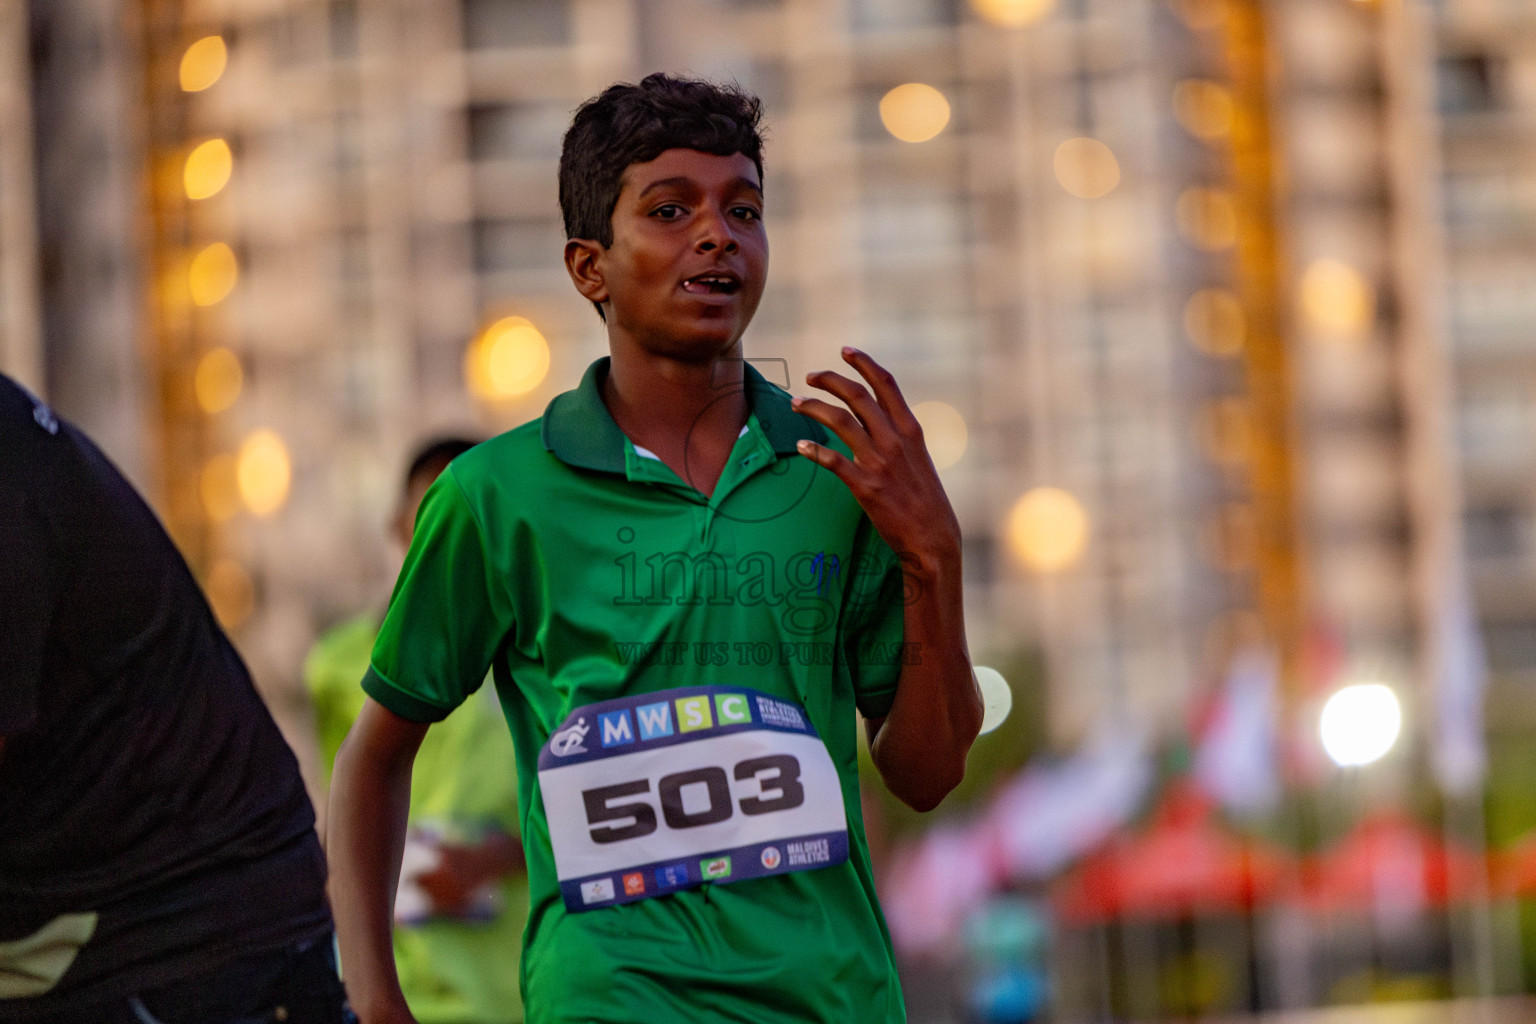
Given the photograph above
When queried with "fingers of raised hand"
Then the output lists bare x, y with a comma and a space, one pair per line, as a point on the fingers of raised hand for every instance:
887, 392
837, 463
840, 421
854, 395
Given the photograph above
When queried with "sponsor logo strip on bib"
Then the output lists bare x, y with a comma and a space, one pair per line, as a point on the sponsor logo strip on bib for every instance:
666, 791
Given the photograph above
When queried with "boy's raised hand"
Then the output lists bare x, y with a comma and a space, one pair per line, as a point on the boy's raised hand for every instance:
891, 475
920, 745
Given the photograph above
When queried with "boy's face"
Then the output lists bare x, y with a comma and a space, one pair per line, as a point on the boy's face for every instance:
689, 256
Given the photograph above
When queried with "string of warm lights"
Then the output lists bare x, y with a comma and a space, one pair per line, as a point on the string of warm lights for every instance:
202, 377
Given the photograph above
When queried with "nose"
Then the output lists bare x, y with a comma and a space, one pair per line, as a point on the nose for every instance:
715, 233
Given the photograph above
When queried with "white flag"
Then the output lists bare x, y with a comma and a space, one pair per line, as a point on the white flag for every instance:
1236, 760
1051, 814
1460, 755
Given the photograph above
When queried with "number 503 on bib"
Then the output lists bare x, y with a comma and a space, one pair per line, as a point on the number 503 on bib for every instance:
715, 784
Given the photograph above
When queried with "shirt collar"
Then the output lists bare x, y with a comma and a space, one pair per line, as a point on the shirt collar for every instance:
578, 428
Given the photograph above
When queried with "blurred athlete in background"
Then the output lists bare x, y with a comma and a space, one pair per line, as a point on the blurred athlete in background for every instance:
463, 894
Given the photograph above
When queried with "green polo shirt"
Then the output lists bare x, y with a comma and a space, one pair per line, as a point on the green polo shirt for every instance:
680, 676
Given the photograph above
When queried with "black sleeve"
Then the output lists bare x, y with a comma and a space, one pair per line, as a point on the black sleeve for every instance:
26, 605
27, 591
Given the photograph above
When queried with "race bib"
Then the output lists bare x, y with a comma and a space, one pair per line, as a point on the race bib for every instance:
668, 790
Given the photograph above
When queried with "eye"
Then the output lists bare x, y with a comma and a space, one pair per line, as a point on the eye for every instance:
748, 213
667, 211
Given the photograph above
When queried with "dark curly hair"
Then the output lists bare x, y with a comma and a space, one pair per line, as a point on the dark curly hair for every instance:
634, 124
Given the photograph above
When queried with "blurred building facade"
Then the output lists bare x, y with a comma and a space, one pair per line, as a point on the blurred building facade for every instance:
1487, 101
1171, 260
1359, 305
393, 194
20, 344
86, 188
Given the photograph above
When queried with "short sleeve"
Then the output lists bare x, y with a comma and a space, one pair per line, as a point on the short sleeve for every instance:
448, 615
26, 609
871, 628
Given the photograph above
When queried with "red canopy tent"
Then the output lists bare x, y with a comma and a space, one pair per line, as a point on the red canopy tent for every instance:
1388, 858
1183, 864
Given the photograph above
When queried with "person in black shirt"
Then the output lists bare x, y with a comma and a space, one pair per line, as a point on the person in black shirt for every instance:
158, 858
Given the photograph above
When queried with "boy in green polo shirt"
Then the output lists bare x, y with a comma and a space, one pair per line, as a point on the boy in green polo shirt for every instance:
685, 586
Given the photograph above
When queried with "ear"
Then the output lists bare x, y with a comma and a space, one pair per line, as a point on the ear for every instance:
584, 262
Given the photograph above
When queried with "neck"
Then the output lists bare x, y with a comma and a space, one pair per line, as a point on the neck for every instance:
657, 398
687, 413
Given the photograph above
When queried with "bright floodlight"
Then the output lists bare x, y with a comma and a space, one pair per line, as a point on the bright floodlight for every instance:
1360, 723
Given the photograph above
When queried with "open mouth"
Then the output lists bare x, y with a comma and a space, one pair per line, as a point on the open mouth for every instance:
711, 284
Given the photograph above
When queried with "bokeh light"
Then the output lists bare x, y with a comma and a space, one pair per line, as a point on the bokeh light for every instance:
1012, 13
996, 697
509, 358
1336, 298
218, 380
1360, 723
213, 274
207, 170
203, 64
1207, 218
219, 487
1214, 322
1204, 108
1047, 529
944, 432
1087, 168
914, 112
264, 472
230, 592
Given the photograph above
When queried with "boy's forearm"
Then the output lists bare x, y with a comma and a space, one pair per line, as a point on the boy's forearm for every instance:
370, 799
921, 746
